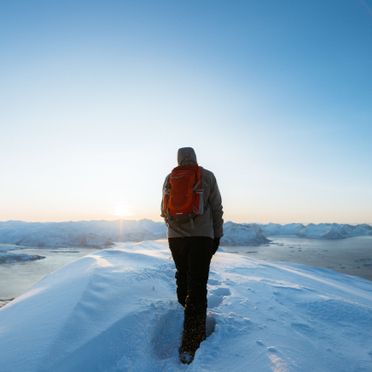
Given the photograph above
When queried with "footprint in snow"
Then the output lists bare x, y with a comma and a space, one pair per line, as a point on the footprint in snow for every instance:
210, 325
167, 333
214, 282
302, 328
216, 296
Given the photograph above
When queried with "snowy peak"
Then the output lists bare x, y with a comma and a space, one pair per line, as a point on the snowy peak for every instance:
318, 231
243, 234
277, 229
104, 233
79, 233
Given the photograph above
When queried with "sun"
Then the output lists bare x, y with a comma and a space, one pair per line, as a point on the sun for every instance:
122, 210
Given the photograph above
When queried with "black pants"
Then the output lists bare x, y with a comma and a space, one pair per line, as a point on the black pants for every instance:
192, 257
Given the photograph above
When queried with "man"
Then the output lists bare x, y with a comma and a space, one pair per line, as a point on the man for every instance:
193, 239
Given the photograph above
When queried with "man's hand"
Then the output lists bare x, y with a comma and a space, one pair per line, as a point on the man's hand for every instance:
216, 244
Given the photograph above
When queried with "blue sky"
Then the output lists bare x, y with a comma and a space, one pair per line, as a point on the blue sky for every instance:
275, 97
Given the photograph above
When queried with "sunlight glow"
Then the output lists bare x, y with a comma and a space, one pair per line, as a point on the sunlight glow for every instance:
122, 210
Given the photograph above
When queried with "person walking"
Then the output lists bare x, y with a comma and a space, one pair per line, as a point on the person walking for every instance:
192, 209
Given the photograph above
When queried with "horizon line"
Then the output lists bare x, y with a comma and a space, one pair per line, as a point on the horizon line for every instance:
157, 221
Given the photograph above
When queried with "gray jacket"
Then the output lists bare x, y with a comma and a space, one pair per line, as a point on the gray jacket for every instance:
210, 223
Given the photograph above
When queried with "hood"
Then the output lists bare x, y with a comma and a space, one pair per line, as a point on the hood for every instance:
186, 156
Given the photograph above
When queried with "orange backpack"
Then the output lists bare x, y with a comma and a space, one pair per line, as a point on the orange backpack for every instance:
183, 197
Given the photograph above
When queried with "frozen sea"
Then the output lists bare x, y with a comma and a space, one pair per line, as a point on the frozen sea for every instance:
18, 277
351, 256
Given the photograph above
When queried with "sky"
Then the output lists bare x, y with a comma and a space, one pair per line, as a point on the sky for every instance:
97, 96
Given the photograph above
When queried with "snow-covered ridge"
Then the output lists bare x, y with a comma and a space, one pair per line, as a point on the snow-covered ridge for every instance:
243, 234
116, 310
104, 233
78, 233
318, 231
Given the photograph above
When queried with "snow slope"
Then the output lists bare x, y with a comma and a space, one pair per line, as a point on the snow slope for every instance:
115, 310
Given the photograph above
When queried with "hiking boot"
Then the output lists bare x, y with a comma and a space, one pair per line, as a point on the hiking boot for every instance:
194, 332
186, 357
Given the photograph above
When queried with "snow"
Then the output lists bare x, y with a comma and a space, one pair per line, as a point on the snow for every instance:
102, 234
115, 310
318, 231
243, 235
78, 233
8, 257
287, 229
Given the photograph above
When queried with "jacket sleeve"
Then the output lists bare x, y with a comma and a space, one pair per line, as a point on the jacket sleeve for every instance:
163, 214
217, 209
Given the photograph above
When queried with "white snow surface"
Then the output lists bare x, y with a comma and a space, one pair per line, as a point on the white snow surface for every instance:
243, 234
116, 310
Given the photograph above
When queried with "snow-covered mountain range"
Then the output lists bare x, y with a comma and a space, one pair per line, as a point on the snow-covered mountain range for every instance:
243, 234
317, 231
78, 233
104, 233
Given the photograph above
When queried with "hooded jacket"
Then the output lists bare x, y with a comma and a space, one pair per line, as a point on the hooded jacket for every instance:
210, 223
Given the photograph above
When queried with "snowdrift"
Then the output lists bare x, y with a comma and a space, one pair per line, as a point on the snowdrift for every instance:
115, 310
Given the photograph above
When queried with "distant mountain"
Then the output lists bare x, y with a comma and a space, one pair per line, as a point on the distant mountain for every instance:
79, 233
243, 234
317, 231
277, 229
104, 233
